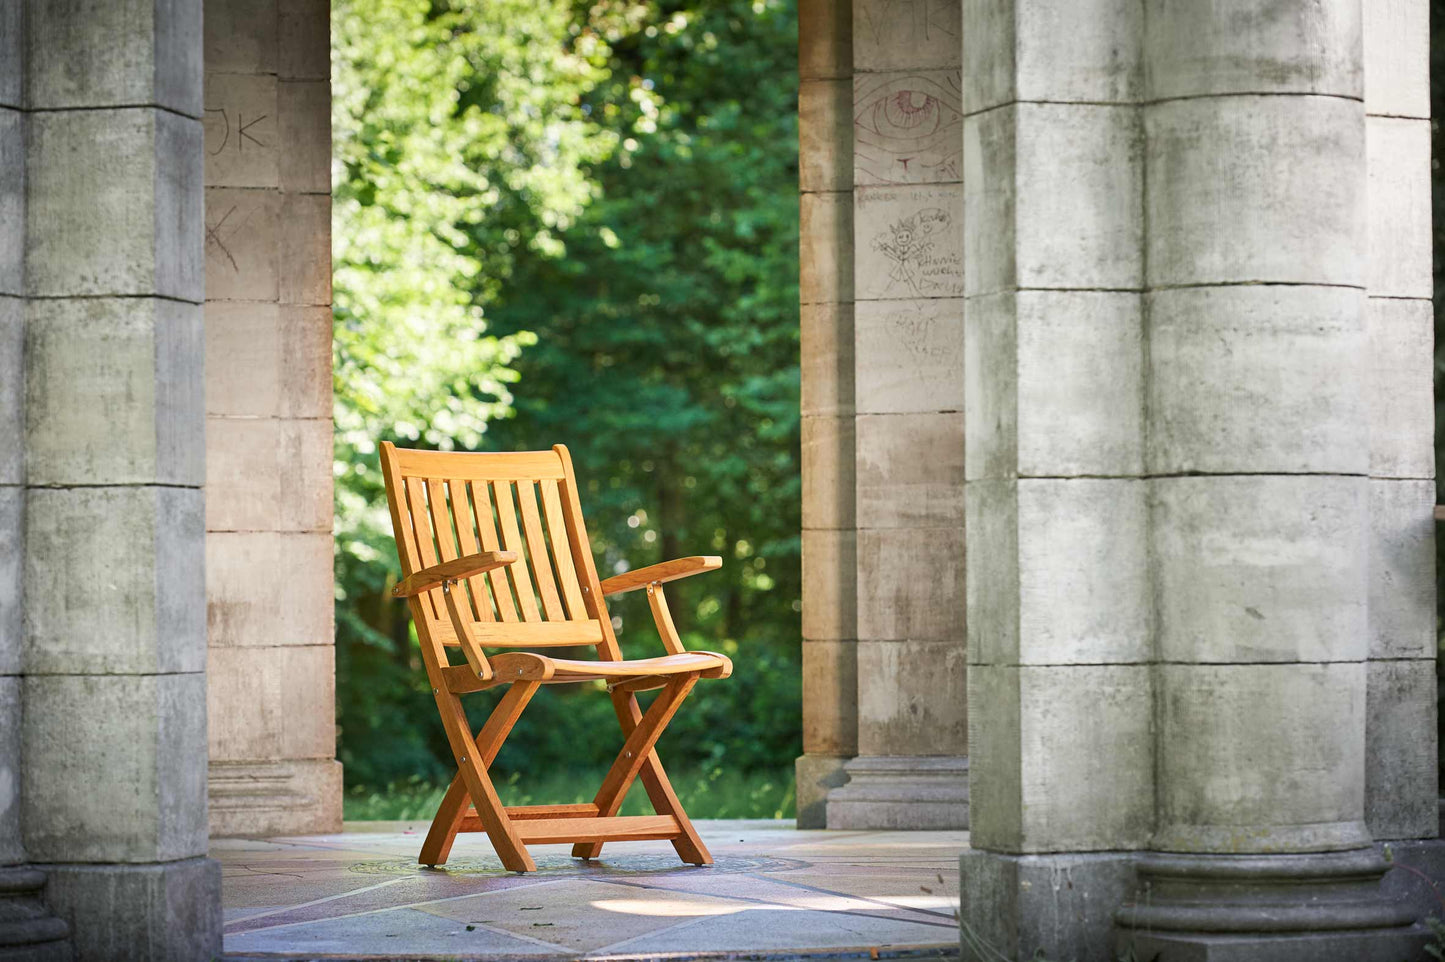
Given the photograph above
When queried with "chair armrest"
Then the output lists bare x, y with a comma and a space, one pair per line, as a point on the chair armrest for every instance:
658, 573
454, 570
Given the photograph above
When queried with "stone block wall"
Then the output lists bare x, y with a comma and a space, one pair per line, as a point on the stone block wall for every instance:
269, 609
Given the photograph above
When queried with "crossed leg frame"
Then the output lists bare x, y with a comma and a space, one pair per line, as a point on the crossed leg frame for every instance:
471, 803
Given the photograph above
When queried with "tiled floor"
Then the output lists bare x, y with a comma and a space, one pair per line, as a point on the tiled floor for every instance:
773, 889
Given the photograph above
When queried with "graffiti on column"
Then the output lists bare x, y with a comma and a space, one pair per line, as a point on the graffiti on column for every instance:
907, 130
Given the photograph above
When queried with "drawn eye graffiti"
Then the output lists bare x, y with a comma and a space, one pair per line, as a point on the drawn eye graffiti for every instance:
907, 128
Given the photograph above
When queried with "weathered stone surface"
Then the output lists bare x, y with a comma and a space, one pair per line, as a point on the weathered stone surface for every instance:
128, 784
909, 242
1402, 778
114, 392
127, 913
12, 389
992, 582
242, 244
1054, 194
1257, 379
241, 35
272, 703
916, 34
1034, 728
825, 39
269, 588
12, 53
901, 792
12, 612
290, 796
912, 698
826, 351
909, 356
1401, 393
265, 360
305, 267
114, 203
1083, 572
12, 200
1053, 906
830, 697
827, 451
104, 53
1080, 383
305, 135
1231, 213
910, 583
1085, 50
1398, 161
1240, 47
816, 774
268, 474
825, 251
825, 143
114, 578
1260, 569
910, 470
243, 136
1402, 569
304, 42
990, 386
830, 584
904, 126
12, 850
1261, 758
1397, 57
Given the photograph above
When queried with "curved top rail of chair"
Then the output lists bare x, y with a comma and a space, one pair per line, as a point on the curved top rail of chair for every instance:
659, 573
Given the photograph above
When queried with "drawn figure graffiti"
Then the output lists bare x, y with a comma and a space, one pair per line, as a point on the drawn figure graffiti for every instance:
908, 243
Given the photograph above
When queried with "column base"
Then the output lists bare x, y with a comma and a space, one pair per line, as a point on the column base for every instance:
289, 796
1267, 908
901, 792
1054, 906
156, 912
28, 932
815, 776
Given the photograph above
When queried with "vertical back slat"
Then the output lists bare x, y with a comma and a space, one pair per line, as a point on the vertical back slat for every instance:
501, 591
512, 541
586, 568
441, 522
467, 543
537, 549
422, 526
561, 551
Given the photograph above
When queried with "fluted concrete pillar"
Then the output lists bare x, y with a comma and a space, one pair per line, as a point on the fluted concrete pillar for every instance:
825, 176
113, 733
270, 605
908, 280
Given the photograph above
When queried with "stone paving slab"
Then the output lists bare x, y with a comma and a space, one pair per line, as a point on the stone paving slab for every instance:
773, 892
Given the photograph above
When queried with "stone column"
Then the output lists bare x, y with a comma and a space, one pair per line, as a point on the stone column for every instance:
1060, 619
268, 425
27, 929
114, 727
1401, 768
1261, 506
912, 766
825, 179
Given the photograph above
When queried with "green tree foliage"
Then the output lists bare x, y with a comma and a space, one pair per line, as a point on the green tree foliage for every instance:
576, 224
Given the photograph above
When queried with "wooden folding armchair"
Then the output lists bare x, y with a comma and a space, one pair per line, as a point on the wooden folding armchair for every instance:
485, 567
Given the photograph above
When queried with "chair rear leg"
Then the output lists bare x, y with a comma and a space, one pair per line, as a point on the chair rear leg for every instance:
445, 824
659, 789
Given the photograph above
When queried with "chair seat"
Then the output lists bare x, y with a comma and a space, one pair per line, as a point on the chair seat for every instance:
709, 663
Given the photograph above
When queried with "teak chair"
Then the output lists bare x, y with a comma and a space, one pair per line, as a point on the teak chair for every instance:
470, 587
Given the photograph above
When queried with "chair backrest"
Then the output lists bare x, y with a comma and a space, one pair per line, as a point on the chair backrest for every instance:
446, 505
